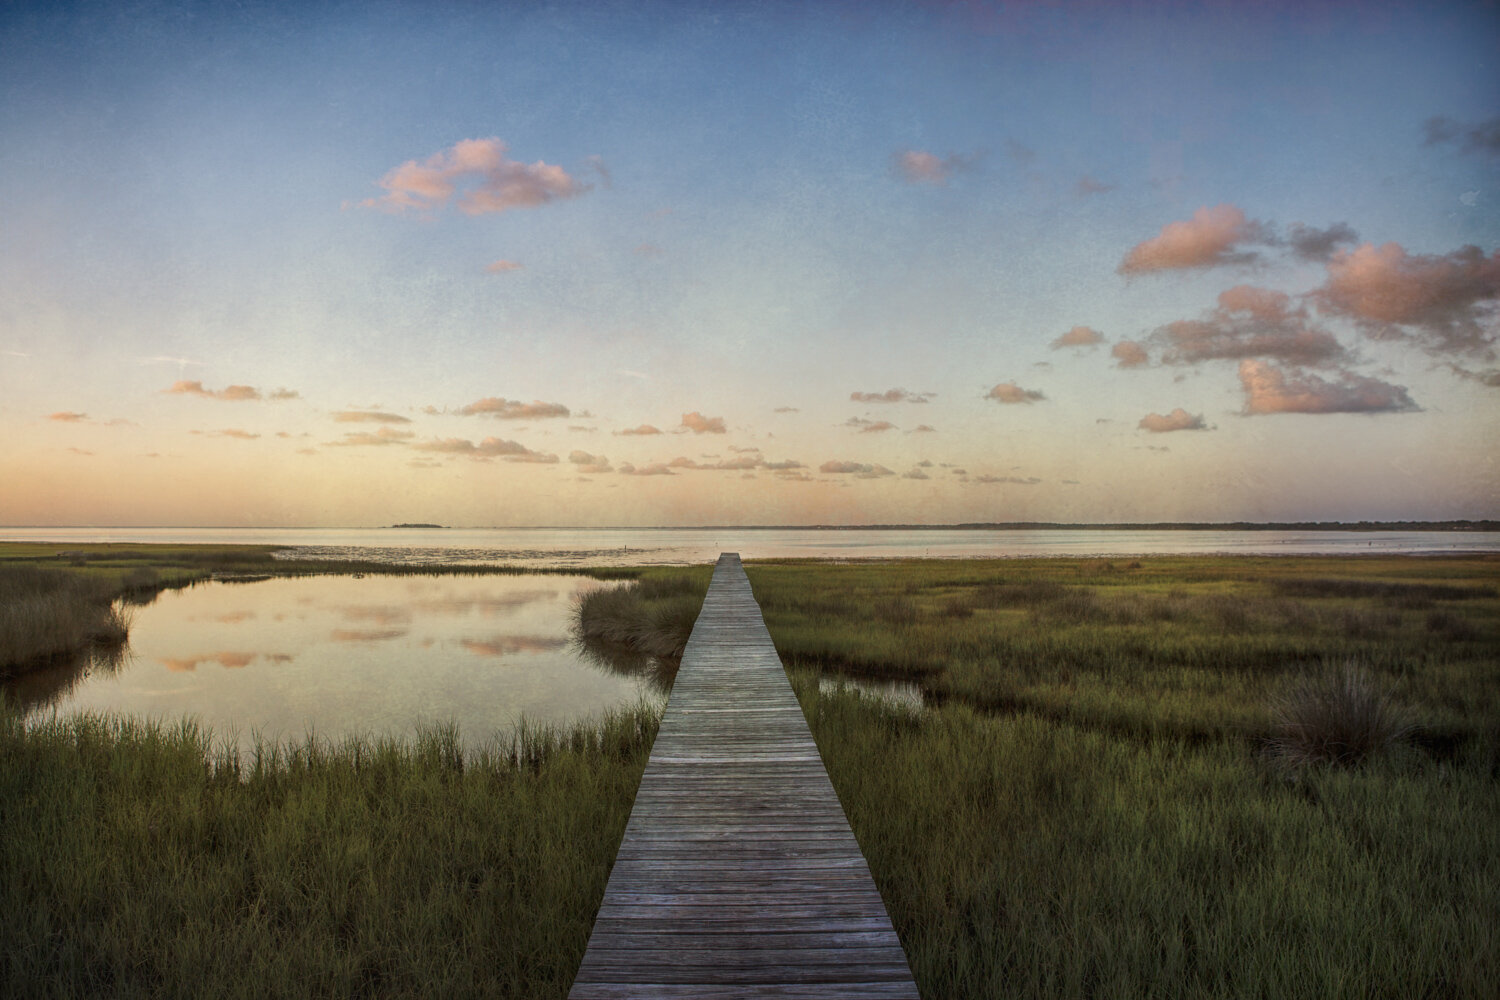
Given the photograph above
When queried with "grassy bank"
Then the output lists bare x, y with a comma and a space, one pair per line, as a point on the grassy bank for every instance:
1115, 790
1021, 856
46, 613
137, 861
1191, 647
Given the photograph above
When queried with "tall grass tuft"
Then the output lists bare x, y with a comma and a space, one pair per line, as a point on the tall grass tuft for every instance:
654, 616
1344, 718
47, 613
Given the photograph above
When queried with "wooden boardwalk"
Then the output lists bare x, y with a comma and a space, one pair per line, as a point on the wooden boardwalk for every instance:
738, 875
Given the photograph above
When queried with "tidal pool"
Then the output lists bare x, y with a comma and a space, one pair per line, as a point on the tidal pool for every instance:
338, 656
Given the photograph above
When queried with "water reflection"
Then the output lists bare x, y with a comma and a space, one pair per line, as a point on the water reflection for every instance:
49, 686
901, 695
657, 671
343, 656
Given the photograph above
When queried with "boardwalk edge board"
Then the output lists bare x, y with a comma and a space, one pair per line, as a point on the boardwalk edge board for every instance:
738, 875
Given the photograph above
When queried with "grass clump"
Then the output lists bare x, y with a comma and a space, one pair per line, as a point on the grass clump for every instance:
1343, 718
51, 613
653, 616
138, 860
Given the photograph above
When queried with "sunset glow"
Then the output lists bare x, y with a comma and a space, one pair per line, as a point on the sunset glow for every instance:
664, 264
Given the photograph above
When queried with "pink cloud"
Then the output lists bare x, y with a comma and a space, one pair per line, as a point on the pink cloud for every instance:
738, 464
508, 645
369, 417
699, 424
491, 181
862, 470
1088, 185
870, 426
490, 447
1079, 336
590, 464
915, 474
235, 432
231, 394
502, 266
642, 430
366, 634
1249, 322
918, 167
1209, 238
890, 396
1009, 392
68, 417
1129, 354
284, 394
1178, 420
512, 409
655, 469
1446, 300
1011, 480
1269, 389
381, 437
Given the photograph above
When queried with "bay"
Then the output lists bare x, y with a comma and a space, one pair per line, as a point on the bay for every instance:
566, 547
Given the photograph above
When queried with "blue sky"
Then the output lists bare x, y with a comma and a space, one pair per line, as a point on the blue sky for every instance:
749, 213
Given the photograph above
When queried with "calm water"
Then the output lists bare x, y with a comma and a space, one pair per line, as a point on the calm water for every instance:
344, 655
659, 546
380, 655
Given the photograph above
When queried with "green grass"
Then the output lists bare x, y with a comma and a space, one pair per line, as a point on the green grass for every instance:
1021, 856
137, 860
49, 613
652, 616
1163, 777
1195, 647
1093, 804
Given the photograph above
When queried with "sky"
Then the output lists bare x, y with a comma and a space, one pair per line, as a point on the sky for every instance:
748, 263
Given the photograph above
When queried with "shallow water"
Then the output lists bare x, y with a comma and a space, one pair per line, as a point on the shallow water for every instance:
340, 656
679, 546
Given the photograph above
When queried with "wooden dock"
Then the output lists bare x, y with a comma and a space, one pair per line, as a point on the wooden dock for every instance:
738, 875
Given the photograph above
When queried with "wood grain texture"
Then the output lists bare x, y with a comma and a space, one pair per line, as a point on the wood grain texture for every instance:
738, 875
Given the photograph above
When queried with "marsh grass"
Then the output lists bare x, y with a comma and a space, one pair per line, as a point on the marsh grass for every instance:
140, 860
1342, 717
1021, 856
652, 616
49, 613
1192, 647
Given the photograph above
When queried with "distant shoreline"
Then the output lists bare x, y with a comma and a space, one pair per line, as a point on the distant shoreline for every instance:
1481, 525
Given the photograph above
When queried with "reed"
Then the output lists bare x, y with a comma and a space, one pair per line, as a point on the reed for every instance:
653, 616
140, 859
48, 613
1023, 856
1199, 648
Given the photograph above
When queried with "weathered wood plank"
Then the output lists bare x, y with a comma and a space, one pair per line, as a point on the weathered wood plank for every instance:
738, 875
